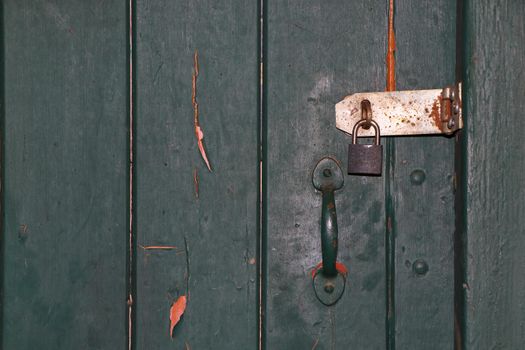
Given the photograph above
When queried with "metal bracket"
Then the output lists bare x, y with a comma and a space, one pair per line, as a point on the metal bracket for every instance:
411, 112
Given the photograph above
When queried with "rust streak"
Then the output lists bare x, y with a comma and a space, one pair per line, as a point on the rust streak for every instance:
390, 56
198, 130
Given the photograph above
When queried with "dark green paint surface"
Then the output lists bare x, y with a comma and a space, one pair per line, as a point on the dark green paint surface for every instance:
65, 188
316, 57
495, 174
220, 225
65, 181
421, 185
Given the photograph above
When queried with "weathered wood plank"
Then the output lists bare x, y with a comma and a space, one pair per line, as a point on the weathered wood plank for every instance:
495, 170
220, 225
65, 188
318, 54
422, 185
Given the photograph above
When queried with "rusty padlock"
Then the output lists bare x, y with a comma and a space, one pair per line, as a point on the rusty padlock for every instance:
365, 159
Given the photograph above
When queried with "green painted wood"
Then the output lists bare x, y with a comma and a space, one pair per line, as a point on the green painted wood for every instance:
495, 174
316, 54
220, 225
421, 185
64, 185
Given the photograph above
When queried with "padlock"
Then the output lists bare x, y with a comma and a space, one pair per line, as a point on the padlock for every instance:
365, 159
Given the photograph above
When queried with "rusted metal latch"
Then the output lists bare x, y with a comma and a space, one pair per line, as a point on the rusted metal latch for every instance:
398, 113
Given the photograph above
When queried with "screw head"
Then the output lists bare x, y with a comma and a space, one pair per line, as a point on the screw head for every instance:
329, 288
456, 108
327, 173
420, 267
417, 177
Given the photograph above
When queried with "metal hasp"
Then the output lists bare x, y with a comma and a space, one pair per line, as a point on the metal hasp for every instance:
411, 112
329, 284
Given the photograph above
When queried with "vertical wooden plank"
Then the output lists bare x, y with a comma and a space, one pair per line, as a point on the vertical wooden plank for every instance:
64, 236
421, 188
217, 267
317, 53
495, 170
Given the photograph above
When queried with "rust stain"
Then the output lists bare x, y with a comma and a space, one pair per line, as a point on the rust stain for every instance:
196, 182
446, 107
435, 114
457, 333
390, 55
389, 224
198, 130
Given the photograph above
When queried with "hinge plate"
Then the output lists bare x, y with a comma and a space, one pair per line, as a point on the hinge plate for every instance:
411, 112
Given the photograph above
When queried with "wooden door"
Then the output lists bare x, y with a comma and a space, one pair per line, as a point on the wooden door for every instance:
111, 214
316, 55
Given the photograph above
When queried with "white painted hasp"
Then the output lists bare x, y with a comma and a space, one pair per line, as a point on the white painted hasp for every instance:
411, 112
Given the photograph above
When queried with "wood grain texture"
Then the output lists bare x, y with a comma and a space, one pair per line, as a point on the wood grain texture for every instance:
220, 225
422, 185
495, 167
317, 54
64, 236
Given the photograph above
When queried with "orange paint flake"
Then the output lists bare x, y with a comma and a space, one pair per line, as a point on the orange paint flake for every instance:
390, 56
158, 247
176, 311
198, 131
340, 267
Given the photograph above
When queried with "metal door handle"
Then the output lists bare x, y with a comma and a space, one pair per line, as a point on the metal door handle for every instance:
329, 239
327, 177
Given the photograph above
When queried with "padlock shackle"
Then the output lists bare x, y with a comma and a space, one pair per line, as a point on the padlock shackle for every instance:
362, 123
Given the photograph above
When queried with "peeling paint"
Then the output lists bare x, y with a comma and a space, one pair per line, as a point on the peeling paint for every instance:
196, 182
390, 55
176, 312
158, 247
198, 130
